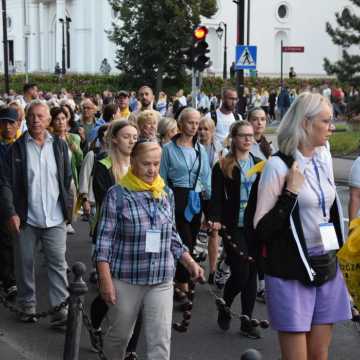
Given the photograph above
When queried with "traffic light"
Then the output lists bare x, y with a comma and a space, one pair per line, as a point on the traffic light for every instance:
195, 56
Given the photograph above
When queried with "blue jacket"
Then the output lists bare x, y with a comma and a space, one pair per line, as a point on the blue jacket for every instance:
175, 172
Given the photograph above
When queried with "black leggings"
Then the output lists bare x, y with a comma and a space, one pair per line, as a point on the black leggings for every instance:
98, 311
242, 278
188, 231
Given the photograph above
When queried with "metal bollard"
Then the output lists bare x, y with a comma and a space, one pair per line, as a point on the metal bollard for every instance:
251, 354
77, 290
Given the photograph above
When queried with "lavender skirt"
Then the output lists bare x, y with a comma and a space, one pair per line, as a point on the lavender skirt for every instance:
293, 307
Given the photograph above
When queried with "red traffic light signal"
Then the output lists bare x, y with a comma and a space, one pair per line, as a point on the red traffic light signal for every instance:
200, 33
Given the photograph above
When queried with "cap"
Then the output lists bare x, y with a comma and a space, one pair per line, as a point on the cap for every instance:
8, 114
123, 93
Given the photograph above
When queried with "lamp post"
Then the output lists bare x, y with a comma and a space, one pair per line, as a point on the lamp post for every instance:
6, 52
220, 31
68, 21
63, 69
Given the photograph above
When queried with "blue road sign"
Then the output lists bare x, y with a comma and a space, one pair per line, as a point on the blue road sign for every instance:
245, 57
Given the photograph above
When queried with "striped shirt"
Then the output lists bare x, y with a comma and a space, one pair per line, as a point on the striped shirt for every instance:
121, 237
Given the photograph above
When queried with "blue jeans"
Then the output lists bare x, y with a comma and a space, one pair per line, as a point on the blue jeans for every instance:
53, 244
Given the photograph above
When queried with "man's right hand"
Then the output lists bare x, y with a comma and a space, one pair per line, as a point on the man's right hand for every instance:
13, 225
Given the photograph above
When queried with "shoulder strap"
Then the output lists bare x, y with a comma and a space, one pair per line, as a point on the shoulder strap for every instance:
287, 159
214, 116
199, 167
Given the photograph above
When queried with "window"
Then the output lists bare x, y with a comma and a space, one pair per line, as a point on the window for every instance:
282, 11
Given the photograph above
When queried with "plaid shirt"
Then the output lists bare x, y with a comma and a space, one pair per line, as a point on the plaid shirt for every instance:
121, 238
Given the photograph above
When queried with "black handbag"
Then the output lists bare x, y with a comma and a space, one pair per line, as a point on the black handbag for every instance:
325, 267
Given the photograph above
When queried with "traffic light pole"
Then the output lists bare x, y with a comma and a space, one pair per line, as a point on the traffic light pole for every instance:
195, 87
240, 41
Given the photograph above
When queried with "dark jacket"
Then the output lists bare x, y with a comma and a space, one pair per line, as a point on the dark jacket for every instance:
225, 198
103, 178
285, 252
14, 180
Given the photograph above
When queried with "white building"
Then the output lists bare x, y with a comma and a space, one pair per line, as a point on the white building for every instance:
35, 34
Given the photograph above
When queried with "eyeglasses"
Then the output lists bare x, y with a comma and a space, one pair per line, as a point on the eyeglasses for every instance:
243, 136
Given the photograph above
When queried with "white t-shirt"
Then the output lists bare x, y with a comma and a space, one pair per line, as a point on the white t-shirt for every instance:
223, 124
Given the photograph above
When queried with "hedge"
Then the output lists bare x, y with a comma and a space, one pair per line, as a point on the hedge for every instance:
92, 84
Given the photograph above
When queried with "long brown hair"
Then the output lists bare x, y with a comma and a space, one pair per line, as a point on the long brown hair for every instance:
229, 161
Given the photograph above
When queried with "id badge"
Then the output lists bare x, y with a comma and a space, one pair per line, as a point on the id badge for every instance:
152, 241
328, 236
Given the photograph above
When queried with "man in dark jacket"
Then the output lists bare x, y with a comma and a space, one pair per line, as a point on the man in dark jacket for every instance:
34, 193
9, 132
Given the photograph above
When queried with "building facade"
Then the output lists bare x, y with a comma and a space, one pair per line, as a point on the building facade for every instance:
40, 30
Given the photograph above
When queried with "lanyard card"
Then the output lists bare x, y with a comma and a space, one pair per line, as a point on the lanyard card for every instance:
328, 236
152, 241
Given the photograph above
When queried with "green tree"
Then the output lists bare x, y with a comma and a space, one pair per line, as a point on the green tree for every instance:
347, 34
150, 33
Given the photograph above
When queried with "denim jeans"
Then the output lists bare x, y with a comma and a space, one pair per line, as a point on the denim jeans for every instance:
53, 245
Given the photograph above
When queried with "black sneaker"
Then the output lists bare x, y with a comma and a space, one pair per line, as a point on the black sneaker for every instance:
249, 330
260, 296
131, 356
11, 292
224, 318
96, 339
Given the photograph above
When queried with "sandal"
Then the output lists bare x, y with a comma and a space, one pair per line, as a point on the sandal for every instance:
179, 295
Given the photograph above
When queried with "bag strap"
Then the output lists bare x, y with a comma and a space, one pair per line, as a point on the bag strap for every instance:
287, 159
199, 167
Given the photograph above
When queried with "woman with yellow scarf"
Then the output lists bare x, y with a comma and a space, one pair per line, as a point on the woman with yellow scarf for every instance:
137, 248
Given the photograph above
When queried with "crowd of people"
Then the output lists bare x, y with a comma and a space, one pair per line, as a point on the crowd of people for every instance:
151, 174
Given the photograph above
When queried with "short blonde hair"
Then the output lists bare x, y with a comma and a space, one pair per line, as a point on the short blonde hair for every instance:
207, 121
291, 132
184, 114
165, 125
146, 116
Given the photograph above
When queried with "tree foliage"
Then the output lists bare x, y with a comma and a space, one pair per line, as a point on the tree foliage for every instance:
345, 35
150, 33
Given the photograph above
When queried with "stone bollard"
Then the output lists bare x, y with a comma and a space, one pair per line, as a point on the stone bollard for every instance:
77, 290
251, 354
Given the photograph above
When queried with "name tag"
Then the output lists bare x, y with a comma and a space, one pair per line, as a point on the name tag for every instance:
152, 241
328, 236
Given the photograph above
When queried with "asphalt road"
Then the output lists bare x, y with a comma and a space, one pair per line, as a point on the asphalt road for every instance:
203, 341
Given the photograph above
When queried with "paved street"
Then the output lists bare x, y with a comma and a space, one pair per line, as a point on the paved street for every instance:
203, 341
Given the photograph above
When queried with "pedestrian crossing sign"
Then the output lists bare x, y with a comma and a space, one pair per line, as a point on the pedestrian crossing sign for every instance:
245, 57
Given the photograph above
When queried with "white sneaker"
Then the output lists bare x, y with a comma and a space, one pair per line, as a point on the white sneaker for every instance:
70, 229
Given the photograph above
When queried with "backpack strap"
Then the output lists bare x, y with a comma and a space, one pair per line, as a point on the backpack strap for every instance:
214, 116
287, 159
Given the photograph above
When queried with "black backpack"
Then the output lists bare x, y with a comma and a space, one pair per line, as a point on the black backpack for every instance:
253, 242
214, 116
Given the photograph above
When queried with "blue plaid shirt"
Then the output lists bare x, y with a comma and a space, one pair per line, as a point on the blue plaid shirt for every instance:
121, 237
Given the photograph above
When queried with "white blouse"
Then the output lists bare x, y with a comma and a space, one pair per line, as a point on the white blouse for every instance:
311, 214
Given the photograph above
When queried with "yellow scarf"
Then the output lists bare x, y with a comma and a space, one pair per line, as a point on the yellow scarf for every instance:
124, 114
11, 141
133, 183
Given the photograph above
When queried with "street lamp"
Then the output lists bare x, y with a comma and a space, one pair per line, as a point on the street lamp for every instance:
219, 32
63, 70
68, 21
